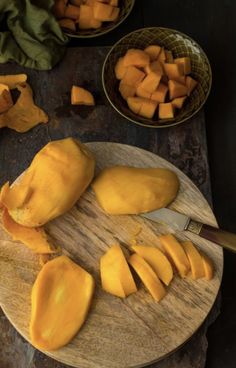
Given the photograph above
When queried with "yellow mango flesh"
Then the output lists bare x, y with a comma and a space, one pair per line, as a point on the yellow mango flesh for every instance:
208, 267
53, 183
176, 252
195, 260
61, 297
115, 273
148, 277
124, 190
157, 260
34, 238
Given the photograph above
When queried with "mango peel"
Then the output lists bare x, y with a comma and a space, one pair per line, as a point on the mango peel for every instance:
124, 190
58, 175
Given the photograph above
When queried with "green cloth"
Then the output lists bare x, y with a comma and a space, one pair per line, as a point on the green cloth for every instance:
33, 37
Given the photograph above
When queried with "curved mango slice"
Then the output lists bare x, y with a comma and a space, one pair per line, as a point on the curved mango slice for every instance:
124, 190
55, 180
195, 259
34, 238
116, 276
61, 297
24, 114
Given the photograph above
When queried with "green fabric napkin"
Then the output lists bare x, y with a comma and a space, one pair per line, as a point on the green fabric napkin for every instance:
33, 37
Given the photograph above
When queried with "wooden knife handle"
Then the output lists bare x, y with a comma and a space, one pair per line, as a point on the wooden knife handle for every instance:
224, 238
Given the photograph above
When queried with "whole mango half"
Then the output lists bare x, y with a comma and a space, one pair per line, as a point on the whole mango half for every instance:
58, 175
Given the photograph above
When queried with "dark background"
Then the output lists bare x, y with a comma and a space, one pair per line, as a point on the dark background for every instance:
212, 23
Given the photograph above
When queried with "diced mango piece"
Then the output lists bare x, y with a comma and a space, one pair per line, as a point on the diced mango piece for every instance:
86, 14
80, 96
153, 51
177, 89
176, 252
148, 277
133, 76
208, 266
120, 69
186, 62
116, 276
178, 102
169, 56
59, 9
126, 90
5, 98
34, 238
136, 57
67, 24
166, 110
114, 14
72, 12
191, 84
155, 67
162, 56
195, 260
140, 92
174, 71
157, 260
102, 11
160, 94
148, 108
150, 82
135, 104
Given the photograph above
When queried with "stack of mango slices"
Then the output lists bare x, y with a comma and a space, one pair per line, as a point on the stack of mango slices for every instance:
153, 82
153, 266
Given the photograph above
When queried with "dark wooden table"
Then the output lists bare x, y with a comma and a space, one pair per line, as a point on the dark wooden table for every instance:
211, 24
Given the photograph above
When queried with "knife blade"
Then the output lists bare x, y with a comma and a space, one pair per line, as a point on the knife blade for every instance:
181, 222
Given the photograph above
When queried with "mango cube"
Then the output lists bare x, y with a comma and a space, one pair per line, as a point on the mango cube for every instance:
155, 67
102, 11
72, 12
114, 14
176, 253
67, 24
191, 84
86, 14
114, 2
59, 8
148, 108
153, 51
178, 102
136, 57
177, 89
186, 62
169, 56
148, 277
160, 94
120, 69
174, 71
195, 260
133, 76
126, 90
80, 96
135, 104
166, 110
140, 92
150, 82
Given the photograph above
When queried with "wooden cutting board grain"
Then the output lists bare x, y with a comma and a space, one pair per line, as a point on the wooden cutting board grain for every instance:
129, 332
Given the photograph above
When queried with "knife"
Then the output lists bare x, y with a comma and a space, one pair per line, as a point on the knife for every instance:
182, 222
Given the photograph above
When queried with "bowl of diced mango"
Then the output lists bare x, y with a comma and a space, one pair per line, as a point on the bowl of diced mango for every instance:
157, 77
90, 18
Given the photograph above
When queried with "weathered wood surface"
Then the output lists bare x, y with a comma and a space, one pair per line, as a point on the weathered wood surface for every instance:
184, 146
118, 333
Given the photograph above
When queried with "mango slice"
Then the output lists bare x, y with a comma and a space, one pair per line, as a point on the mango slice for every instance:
80, 96
13, 80
208, 266
34, 238
124, 190
157, 260
166, 110
24, 114
61, 297
116, 276
176, 252
148, 277
55, 180
195, 260
153, 51
185, 62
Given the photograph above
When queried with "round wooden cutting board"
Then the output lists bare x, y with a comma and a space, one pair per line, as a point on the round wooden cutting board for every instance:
130, 332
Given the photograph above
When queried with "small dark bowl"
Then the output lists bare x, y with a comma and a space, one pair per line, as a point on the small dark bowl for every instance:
180, 45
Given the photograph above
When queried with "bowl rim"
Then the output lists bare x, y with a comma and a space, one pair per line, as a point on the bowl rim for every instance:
152, 125
77, 35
